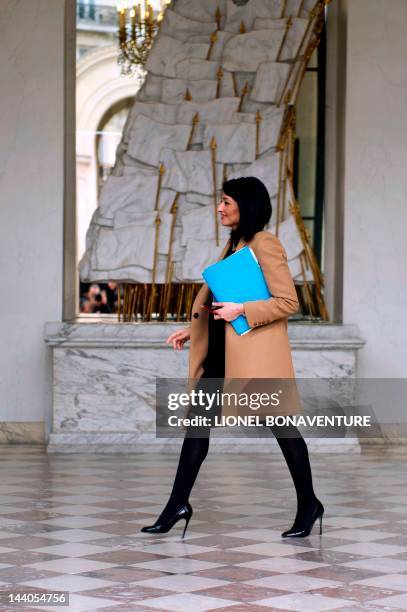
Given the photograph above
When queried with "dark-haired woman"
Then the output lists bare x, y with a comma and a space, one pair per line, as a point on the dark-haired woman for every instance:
217, 352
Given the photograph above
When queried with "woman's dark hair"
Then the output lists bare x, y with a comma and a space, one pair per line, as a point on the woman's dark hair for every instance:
254, 204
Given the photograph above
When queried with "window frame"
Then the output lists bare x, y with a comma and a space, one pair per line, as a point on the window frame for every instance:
332, 115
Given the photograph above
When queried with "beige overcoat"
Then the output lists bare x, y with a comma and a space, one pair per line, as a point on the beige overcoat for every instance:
264, 352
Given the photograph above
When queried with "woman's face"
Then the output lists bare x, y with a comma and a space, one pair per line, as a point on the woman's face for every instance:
229, 211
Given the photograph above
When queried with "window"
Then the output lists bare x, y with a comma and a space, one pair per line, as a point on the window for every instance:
100, 122
103, 100
86, 9
310, 150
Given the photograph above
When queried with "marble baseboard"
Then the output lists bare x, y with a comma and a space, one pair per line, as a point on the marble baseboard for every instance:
125, 443
393, 440
22, 433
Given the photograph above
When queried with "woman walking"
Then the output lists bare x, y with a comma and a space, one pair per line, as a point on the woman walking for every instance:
218, 352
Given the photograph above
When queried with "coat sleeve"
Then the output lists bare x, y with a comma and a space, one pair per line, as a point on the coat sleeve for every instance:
272, 258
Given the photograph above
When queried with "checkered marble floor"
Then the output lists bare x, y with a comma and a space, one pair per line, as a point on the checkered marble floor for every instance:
72, 523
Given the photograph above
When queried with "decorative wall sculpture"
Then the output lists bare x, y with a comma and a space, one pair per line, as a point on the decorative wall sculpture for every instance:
218, 102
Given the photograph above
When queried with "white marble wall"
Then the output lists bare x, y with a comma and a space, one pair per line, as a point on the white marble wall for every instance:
375, 244
104, 380
31, 201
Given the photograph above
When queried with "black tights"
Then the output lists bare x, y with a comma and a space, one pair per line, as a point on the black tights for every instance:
194, 451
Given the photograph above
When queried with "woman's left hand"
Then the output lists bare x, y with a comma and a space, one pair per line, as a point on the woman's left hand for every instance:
228, 311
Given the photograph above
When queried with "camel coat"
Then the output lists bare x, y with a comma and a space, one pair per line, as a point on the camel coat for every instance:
264, 352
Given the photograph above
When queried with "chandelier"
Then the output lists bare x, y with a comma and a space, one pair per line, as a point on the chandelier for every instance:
139, 21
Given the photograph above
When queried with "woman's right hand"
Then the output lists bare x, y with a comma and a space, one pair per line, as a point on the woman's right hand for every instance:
178, 338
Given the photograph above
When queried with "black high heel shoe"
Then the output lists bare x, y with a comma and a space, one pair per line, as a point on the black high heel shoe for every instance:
303, 525
184, 512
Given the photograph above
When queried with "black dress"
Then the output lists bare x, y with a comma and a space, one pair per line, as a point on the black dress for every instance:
214, 362
211, 380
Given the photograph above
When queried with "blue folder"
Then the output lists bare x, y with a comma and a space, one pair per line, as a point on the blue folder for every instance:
238, 278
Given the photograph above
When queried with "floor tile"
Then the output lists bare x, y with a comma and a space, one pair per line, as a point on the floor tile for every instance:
397, 582
384, 565
73, 522
293, 582
185, 583
303, 602
399, 602
184, 601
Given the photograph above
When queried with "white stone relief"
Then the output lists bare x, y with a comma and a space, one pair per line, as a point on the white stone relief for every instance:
218, 46
120, 191
150, 89
193, 79
221, 109
199, 254
246, 51
236, 142
269, 82
156, 111
247, 13
202, 90
201, 223
182, 28
199, 10
296, 270
131, 245
196, 69
167, 52
290, 236
148, 137
189, 171
295, 39
265, 168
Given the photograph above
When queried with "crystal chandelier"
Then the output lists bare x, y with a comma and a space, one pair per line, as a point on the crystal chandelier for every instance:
139, 21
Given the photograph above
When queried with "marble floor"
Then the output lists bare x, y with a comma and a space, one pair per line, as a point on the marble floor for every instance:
72, 523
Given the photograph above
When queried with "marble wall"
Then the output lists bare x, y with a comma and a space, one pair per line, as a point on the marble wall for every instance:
104, 381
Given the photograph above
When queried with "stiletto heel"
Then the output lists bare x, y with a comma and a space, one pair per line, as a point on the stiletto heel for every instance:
186, 525
184, 512
303, 525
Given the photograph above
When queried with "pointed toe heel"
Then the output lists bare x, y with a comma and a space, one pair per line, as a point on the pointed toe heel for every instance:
302, 526
184, 512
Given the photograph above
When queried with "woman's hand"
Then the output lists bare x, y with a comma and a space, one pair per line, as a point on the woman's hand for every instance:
178, 338
228, 311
